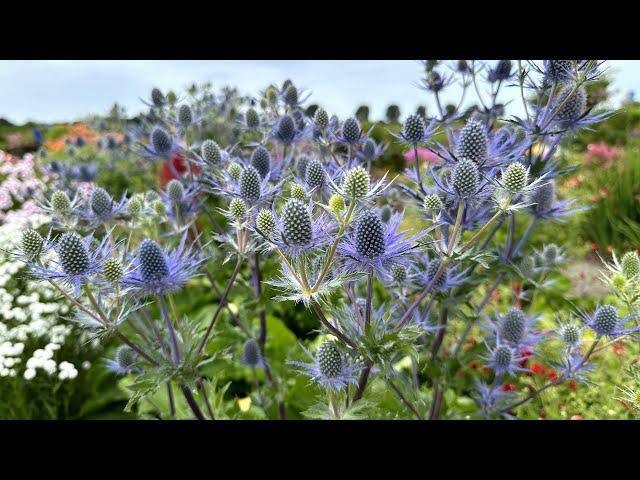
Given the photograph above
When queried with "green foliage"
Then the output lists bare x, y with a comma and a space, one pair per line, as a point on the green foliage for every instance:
614, 218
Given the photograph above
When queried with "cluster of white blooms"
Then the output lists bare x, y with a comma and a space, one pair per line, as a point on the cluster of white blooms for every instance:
31, 312
42, 359
10, 358
27, 308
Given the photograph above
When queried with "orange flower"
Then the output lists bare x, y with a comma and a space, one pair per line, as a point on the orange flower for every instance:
573, 182
618, 348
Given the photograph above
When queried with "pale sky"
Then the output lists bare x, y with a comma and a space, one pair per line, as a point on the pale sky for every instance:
63, 90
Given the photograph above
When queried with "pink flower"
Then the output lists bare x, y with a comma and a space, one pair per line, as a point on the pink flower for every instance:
423, 154
603, 152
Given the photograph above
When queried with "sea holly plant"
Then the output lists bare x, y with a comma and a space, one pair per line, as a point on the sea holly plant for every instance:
398, 273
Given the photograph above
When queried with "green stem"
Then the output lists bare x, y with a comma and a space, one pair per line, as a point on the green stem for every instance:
334, 247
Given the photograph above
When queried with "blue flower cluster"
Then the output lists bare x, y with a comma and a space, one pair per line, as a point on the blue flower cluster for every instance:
390, 267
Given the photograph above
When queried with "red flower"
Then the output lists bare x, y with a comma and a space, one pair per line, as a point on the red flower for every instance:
594, 246
460, 373
474, 364
508, 387
572, 384
552, 375
525, 354
537, 368
577, 417
179, 165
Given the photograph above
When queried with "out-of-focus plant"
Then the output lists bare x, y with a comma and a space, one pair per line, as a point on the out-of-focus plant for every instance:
615, 202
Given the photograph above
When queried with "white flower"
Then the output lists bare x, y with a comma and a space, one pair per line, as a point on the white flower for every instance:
67, 371
29, 373
49, 366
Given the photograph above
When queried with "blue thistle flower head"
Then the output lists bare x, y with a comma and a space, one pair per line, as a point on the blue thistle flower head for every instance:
261, 161
315, 175
181, 202
571, 105
558, 71
503, 359
570, 333
245, 182
287, 132
250, 183
77, 260
374, 245
328, 367
157, 272
501, 71
251, 354
296, 223
296, 231
59, 204
515, 328
473, 142
564, 112
415, 131
321, 118
465, 179
350, 134
210, 152
435, 82
252, 119
157, 98
185, 115
488, 149
32, 244
544, 204
124, 361
606, 323
161, 145
102, 208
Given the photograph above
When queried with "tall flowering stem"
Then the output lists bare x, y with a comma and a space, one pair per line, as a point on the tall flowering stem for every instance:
221, 304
